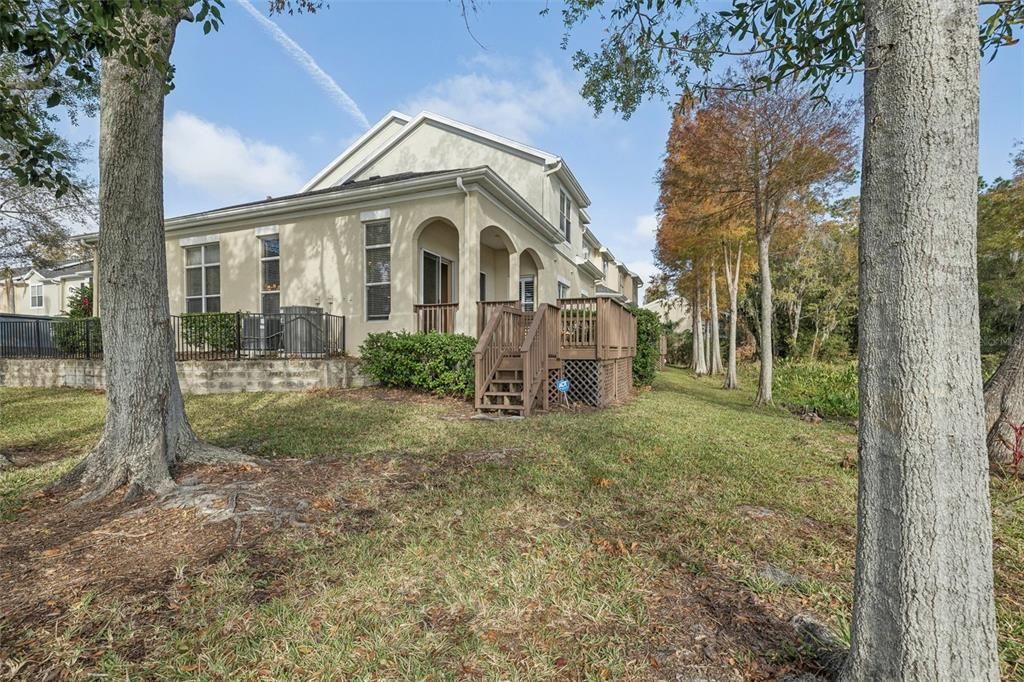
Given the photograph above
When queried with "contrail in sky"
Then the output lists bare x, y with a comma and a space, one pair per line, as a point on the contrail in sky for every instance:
307, 62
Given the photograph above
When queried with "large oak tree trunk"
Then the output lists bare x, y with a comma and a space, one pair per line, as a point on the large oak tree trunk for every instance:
146, 432
764, 384
923, 599
1004, 406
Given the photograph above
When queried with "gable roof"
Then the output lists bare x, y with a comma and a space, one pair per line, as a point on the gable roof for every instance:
61, 270
390, 117
547, 159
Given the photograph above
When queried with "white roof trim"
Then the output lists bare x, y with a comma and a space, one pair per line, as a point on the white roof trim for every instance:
532, 153
355, 146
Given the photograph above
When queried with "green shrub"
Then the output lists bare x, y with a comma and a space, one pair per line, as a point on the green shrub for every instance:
826, 389
648, 331
210, 331
69, 335
438, 363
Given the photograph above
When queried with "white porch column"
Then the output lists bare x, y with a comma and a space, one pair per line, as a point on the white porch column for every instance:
513, 275
469, 268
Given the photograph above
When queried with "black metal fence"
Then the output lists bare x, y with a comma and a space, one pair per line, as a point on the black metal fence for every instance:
197, 336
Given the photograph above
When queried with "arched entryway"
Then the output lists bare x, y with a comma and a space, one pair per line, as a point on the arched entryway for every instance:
496, 248
530, 268
437, 276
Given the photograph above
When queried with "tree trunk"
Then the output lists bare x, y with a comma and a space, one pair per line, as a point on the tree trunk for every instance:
146, 432
795, 312
700, 366
1004, 406
764, 383
733, 282
923, 588
716, 345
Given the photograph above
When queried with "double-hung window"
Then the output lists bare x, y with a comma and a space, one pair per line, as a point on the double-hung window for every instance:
35, 292
378, 269
270, 275
202, 279
565, 214
563, 290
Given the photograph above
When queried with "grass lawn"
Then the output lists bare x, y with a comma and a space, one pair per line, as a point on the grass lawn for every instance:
636, 542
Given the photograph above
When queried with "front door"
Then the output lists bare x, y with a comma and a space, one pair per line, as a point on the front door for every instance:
437, 279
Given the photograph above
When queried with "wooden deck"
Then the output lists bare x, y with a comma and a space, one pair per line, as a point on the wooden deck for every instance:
517, 351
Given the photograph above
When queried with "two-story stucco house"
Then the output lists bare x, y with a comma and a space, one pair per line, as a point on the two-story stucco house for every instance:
411, 226
43, 291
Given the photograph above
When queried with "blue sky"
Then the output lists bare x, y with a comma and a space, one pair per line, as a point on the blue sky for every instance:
247, 118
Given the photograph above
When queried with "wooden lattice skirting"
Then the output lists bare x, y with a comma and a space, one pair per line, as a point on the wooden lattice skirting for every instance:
597, 383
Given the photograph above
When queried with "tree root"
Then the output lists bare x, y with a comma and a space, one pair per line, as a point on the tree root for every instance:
199, 452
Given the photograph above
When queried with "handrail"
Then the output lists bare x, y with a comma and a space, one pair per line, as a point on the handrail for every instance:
500, 336
543, 333
435, 317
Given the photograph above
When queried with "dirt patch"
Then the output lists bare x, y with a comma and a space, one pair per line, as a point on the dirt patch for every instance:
453, 406
706, 627
56, 556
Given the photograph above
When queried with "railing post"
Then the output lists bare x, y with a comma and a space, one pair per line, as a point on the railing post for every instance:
88, 339
238, 335
39, 350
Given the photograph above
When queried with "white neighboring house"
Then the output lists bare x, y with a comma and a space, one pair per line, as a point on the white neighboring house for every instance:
674, 311
44, 291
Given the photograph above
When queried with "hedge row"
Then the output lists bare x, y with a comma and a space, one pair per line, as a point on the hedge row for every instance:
438, 363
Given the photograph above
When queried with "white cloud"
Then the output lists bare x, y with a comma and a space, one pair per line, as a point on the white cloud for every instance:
308, 64
646, 226
225, 165
539, 95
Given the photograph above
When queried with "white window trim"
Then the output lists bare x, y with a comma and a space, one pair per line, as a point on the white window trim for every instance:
366, 275
199, 241
380, 215
202, 268
531, 278
263, 259
452, 276
565, 214
31, 297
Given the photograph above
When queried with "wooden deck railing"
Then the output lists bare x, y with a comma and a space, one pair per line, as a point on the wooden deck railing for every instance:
616, 331
502, 336
541, 336
485, 309
579, 322
435, 317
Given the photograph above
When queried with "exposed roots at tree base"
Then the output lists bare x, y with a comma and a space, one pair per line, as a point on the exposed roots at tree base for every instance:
147, 470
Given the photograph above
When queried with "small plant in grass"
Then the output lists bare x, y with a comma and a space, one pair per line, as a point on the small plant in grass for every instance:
209, 331
828, 390
437, 363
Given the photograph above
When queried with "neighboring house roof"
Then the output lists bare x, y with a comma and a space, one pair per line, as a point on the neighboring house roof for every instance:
552, 161
69, 269
361, 190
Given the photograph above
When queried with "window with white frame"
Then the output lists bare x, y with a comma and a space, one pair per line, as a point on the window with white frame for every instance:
527, 292
35, 293
483, 286
270, 275
378, 269
604, 267
202, 279
565, 214
563, 289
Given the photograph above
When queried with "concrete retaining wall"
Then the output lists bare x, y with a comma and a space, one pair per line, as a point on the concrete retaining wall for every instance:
196, 376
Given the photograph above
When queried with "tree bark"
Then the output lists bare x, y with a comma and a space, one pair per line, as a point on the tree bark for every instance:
716, 345
733, 282
795, 312
923, 588
764, 383
146, 432
1004, 406
700, 366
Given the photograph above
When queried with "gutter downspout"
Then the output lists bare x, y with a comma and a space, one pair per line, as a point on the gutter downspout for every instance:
544, 189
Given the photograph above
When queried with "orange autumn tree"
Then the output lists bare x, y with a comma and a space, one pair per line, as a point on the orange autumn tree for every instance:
742, 157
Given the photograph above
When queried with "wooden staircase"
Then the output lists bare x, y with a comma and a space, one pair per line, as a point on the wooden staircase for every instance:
512, 360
